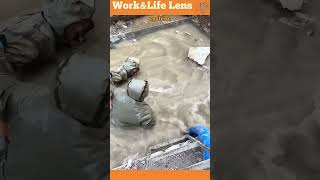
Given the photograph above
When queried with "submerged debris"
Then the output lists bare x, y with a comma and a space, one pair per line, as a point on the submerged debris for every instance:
199, 54
186, 33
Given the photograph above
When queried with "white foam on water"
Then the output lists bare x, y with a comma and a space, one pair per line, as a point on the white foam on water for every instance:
179, 90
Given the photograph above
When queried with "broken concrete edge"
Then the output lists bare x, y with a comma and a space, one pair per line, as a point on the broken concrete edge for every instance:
195, 21
173, 152
164, 154
122, 167
203, 165
168, 143
204, 147
157, 146
133, 34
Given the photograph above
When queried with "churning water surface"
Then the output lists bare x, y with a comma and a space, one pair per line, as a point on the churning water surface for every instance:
179, 88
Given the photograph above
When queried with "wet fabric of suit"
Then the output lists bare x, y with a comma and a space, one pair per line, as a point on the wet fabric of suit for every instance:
47, 143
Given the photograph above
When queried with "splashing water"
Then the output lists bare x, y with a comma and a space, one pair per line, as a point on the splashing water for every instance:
179, 88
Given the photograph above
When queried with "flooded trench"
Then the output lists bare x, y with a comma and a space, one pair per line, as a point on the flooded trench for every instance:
179, 88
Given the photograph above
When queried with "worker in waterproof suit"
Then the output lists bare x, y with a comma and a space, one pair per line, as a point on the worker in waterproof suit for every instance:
61, 133
128, 106
54, 134
33, 37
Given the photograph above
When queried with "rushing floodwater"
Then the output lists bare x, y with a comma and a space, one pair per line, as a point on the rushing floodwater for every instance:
179, 88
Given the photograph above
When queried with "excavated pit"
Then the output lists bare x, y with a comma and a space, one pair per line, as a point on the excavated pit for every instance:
179, 88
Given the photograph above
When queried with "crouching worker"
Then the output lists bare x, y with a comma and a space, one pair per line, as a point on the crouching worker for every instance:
32, 38
128, 106
56, 134
130, 109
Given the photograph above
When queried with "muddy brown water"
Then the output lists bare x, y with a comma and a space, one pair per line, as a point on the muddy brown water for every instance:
179, 88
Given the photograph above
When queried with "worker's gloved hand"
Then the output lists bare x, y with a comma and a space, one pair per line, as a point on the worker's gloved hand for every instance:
124, 71
74, 34
131, 65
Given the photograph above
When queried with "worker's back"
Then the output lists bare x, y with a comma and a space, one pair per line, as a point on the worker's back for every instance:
48, 144
52, 138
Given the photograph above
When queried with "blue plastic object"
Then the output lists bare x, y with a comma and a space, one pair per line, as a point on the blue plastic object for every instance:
203, 134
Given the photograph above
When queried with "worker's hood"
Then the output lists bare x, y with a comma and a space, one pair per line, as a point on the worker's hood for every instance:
83, 84
138, 89
61, 13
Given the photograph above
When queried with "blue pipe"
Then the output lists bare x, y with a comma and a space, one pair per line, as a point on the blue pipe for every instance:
203, 134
